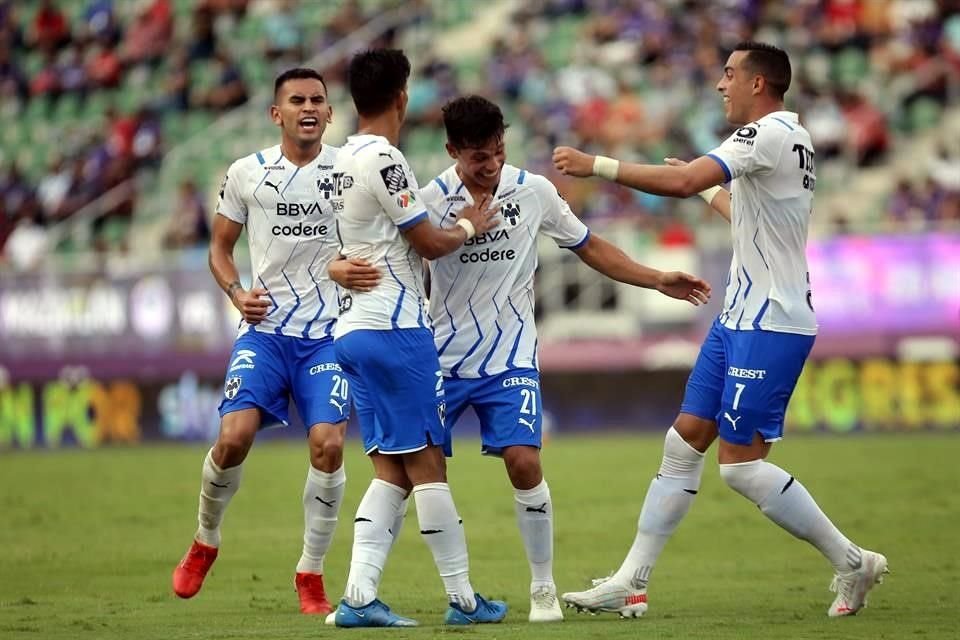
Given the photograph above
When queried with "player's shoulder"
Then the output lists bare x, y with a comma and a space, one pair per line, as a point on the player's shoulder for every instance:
522, 179
444, 186
372, 150
328, 155
263, 159
774, 127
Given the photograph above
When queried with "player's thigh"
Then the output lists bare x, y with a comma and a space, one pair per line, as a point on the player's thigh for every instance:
320, 388
701, 397
257, 378
762, 371
457, 393
510, 410
401, 373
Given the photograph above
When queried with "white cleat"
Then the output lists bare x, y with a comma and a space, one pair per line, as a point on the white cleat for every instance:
852, 587
331, 618
609, 596
544, 606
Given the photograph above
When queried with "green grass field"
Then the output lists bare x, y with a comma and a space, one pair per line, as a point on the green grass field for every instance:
89, 540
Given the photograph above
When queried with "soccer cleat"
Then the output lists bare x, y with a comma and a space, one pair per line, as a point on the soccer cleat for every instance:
544, 606
852, 587
485, 611
313, 599
189, 574
375, 614
609, 596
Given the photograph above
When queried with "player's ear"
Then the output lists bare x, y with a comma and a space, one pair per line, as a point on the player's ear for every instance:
275, 115
329, 113
759, 84
451, 151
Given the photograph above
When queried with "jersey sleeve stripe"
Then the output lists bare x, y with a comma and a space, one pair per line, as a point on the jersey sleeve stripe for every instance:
783, 122
442, 186
723, 165
412, 221
260, 158
362, 147
522, 176
580, 244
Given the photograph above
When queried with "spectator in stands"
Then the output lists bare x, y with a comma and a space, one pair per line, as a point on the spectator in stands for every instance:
99, 23
148, 37
203, 40
50, 30
230, 91
188, 226
53, 189
283, 31
103, 67
176, 84
72, 72
27, 244
11, 34
147, 145
15, 192
46, 83
13, 82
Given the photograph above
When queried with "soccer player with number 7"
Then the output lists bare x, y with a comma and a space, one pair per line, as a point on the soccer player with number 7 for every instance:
750, 361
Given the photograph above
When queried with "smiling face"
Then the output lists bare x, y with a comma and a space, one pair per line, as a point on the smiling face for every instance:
480, 167
739, 87
301, 110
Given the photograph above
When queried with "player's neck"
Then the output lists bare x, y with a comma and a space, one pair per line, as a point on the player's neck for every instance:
477, 192
300, 156
764, 108
386, 125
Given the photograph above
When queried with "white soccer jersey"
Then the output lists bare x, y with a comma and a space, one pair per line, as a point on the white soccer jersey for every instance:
771, 164
291, 230
481, 299
376, 198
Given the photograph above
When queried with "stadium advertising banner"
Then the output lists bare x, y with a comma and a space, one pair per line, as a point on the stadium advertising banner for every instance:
87, 360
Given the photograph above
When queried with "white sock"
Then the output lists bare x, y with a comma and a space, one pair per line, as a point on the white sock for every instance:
322, 496
535, 518
788, 503
442, 530
371, 541
668, 500
217, 487
399, 520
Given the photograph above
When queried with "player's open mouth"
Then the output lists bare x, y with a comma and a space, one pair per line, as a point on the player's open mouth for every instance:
309, 123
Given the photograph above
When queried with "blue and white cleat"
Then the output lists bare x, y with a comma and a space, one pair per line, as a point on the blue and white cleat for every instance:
375, 614
486, 611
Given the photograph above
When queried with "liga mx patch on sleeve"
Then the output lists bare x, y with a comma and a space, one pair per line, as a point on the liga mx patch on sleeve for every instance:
394, 179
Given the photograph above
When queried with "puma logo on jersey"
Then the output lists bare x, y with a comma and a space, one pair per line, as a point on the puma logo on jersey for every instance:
275, 187
732, 422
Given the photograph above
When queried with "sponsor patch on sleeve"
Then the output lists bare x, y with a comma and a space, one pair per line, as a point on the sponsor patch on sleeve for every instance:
394, 179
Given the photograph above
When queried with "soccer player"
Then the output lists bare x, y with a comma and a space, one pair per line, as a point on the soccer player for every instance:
481, 306
284, 348
384, 343
750, 361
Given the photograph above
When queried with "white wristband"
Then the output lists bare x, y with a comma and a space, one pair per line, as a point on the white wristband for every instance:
606, 167
709, 194
467, 226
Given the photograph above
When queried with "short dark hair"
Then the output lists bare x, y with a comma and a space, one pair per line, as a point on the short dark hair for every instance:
376, 77
769, 61
298, 73
472, 121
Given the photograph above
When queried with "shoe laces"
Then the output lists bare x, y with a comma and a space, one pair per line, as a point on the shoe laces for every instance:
842, 585
195, 559
596, 582
544, 598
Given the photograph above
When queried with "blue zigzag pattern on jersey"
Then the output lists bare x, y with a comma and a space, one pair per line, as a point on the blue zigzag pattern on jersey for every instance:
403, 292
516, 341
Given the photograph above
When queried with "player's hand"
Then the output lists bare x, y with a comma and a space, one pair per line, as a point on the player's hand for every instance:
573, 162
674, 162
252, 305
481, 214
684, 286
354, 273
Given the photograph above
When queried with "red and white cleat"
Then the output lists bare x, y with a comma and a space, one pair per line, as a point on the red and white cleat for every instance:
189, 574
313, 598
852, 587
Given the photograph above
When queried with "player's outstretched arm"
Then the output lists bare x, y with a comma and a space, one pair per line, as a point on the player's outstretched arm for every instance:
717, 197
222, 241
608, 259
674, 181
432, 242
354, 274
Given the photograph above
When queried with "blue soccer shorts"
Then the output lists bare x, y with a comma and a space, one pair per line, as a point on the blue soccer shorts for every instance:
396, 388
508, 405
743, 380
267, 370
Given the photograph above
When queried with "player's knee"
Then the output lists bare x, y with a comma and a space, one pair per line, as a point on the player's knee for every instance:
523, 466
749, 479
232, 445
681, 459
326, 448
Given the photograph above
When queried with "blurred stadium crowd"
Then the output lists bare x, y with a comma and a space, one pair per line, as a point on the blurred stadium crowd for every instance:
94, 92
